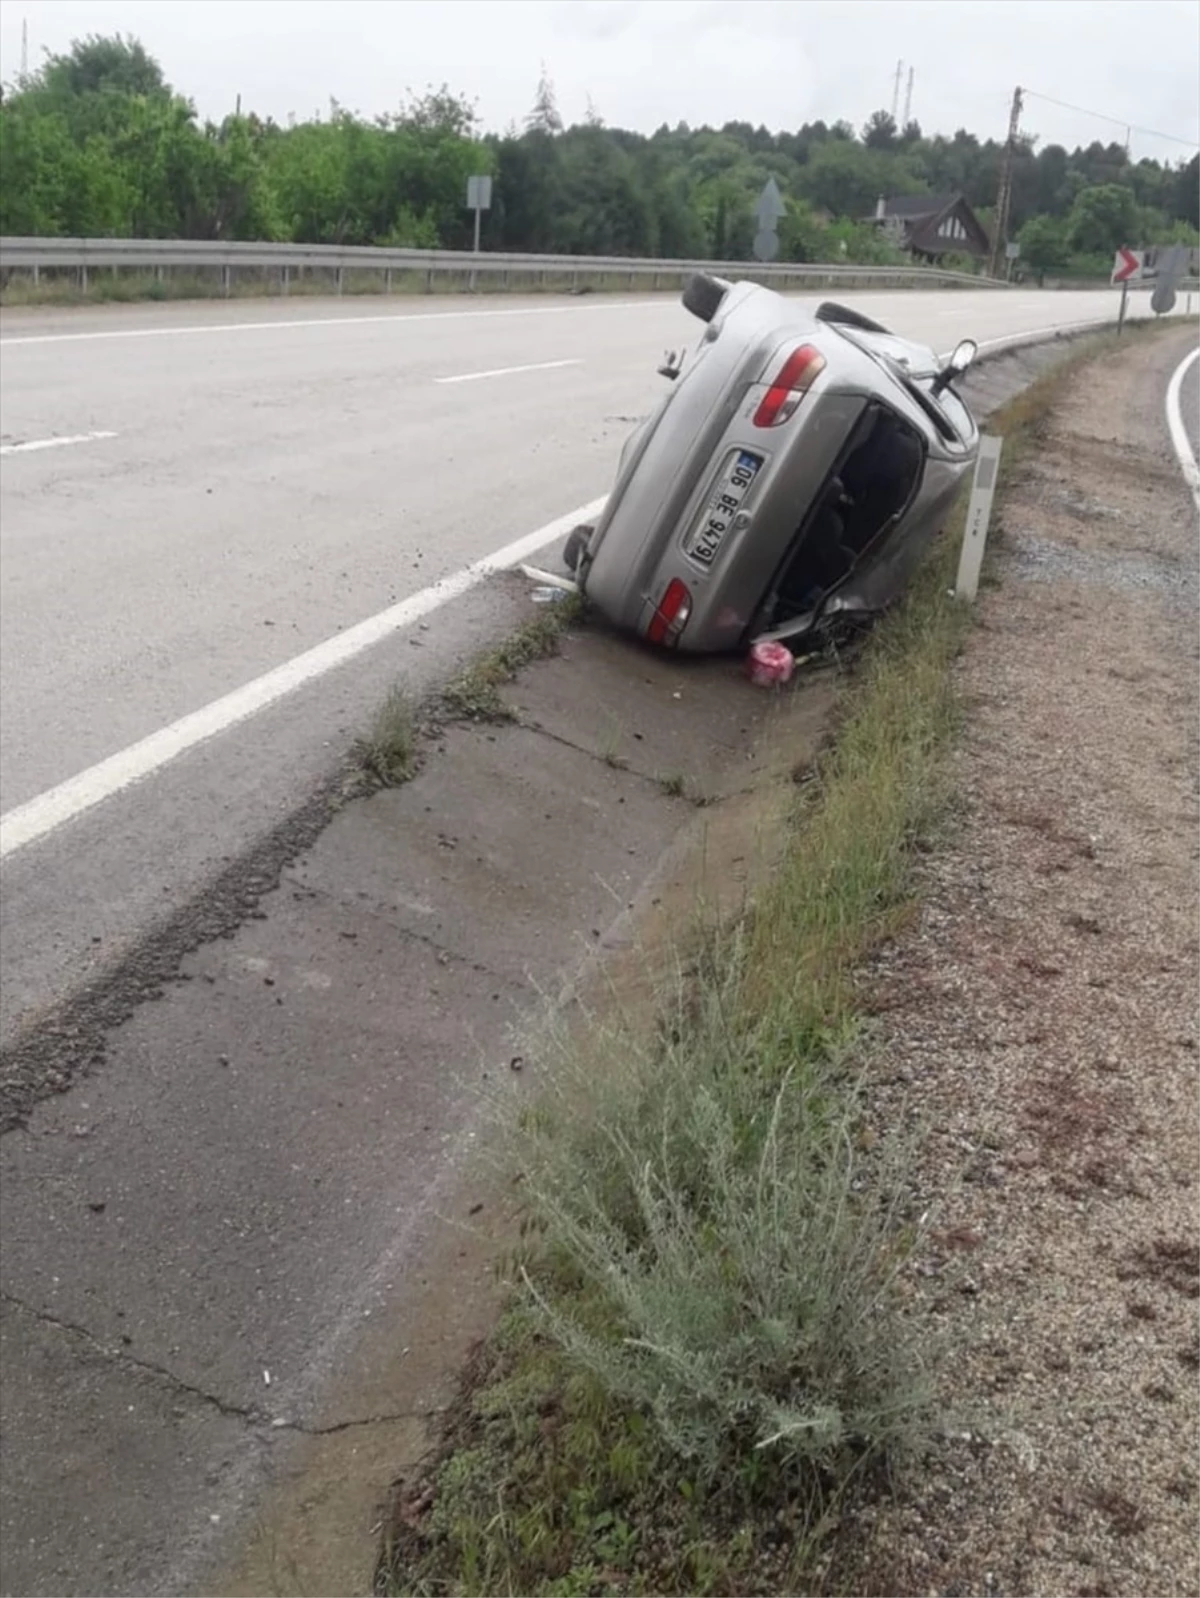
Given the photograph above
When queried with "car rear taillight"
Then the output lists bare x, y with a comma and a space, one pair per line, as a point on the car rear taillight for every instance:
797, 374
670, 618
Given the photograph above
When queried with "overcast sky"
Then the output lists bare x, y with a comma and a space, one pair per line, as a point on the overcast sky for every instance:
645, 62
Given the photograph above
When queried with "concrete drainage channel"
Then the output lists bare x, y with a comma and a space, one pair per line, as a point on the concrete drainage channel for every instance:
249, 1334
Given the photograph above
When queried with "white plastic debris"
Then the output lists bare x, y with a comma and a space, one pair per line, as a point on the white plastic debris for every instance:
564, 585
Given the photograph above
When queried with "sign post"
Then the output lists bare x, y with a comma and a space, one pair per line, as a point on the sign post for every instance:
979, 514
1129, 266
479, 199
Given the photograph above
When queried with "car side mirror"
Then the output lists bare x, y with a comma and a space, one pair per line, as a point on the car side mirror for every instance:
964, 353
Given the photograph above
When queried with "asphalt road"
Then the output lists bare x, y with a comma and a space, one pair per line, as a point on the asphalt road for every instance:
268, 485
267, 476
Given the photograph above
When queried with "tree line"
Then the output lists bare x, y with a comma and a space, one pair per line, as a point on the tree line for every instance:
97, 143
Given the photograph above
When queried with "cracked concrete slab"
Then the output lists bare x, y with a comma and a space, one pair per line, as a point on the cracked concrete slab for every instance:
512, 852
664, 717
247, 1179
89, 1411
215, 1199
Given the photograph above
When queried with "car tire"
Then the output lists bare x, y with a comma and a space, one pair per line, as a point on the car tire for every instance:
577, 540
702, 295
831, 311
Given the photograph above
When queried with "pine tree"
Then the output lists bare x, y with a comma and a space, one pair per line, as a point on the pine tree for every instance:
544, 117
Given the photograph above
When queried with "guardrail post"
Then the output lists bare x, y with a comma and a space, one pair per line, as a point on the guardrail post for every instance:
83, 279
338, 279
285, 280
225, 285
429, 280
37, 279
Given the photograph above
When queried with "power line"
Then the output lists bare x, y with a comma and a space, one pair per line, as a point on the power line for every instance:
1120, 122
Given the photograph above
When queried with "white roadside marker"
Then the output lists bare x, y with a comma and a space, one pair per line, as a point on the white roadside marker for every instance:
979, 514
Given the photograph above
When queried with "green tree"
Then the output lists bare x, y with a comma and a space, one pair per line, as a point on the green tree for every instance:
96, 142
1044, 246
1186, 199
1103, 218
544, 117
96, 65
879, 133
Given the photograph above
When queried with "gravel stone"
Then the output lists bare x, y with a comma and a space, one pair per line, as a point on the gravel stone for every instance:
1040, 1021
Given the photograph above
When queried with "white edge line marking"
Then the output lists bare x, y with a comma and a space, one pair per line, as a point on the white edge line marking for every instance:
52, 443
1178, 429
507, 371
33, 820
326, 321
199, 328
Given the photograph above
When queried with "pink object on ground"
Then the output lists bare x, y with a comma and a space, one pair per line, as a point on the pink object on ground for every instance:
768, 664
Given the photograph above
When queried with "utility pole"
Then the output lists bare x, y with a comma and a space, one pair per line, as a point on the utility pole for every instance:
908, 97
1004, 198
24, 49
896, 89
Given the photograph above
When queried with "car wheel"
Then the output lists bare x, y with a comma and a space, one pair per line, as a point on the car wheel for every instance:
703, 295
576, 544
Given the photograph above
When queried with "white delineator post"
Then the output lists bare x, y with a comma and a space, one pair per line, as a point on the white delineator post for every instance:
979, 514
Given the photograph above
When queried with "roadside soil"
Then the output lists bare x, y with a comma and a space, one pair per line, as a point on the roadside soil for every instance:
1040, 1024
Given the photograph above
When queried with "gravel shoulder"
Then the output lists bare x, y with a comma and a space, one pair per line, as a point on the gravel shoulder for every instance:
1040, 1023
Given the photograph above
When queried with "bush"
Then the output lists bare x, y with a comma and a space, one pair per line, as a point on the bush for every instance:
743, 1248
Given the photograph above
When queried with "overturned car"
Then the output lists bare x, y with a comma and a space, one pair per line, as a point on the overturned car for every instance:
791, 476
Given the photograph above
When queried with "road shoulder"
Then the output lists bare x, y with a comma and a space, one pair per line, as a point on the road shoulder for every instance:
1041, 1021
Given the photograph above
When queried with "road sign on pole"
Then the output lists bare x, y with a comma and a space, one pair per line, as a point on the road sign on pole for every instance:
1170, 265
1128, 266
770, 208
479, 194
479, 199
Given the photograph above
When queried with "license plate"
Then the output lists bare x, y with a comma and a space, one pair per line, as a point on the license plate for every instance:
717, 516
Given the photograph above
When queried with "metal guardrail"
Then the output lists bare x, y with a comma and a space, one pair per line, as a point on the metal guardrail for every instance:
81, 256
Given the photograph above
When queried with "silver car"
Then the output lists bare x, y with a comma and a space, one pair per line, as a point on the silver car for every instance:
791, 476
